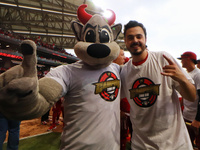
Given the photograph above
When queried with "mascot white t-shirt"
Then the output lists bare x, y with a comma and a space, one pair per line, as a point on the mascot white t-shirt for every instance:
155, 111
91, 106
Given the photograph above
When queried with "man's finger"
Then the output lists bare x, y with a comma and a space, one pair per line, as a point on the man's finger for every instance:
168, 60
166, 74
28, 49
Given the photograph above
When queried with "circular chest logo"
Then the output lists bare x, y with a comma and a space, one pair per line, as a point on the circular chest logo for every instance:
107, 86
144, 92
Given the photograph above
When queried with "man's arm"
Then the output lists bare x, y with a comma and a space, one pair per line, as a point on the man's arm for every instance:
187, 90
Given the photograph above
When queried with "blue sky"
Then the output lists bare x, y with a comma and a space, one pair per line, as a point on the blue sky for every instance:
172, 25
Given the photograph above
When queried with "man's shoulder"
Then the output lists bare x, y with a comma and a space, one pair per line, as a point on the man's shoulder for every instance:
161, 53
126, 66
158, 55
197, 73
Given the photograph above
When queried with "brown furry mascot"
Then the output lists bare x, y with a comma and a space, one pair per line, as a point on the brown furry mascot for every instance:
91, 87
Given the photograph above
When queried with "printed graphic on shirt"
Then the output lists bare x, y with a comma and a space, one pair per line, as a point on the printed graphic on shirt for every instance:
144, 92
107, 86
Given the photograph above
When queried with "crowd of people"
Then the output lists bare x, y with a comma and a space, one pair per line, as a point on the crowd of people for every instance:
154, 118
38, 40
10, 51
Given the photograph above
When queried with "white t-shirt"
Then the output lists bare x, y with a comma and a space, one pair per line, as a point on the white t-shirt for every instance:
155, 111
91, 107
190, 108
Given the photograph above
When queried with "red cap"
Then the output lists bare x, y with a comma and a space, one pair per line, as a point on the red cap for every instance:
190, 55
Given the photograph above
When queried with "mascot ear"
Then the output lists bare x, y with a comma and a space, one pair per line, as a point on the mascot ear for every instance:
77, 28
116, 29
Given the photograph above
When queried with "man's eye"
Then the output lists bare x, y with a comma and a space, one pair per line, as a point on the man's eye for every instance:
90, 36
139, 36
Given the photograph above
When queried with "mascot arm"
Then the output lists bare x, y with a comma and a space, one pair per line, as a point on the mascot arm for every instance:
50, 89
22, 96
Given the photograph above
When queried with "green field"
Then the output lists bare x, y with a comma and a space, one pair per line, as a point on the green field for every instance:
49, 141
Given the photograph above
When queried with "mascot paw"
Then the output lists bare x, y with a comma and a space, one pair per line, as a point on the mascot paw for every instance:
21, 80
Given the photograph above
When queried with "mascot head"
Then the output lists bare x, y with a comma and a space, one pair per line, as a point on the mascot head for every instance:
96, 37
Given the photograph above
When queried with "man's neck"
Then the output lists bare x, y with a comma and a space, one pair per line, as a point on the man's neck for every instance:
141, 57
191, 68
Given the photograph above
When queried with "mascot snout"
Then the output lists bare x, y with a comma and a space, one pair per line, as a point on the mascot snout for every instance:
98, 50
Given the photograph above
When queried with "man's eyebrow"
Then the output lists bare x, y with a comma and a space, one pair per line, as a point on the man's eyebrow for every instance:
89, 26
135, 35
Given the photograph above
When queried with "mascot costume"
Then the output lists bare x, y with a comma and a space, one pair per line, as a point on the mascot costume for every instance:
91, 86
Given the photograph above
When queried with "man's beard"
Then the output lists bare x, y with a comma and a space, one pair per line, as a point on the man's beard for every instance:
137, 53
143, 47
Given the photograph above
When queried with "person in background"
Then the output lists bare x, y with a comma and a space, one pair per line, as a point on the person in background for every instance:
126, 128
149, 81
198, 63
13, 128
45, 118
124, 107
191, 111
120, 60
57, 110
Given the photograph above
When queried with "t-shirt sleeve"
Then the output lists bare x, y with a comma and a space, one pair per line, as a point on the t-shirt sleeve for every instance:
197, 81
61, 75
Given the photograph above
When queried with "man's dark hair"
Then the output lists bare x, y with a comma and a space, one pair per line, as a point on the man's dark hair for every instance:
134, 23
194, 61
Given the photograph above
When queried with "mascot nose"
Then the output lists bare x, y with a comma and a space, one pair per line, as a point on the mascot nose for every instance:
98, 50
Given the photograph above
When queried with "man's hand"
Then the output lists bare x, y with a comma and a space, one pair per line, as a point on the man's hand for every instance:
187, 89
172, 70
196, 124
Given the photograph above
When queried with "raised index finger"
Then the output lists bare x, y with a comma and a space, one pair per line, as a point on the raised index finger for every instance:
28, 49
168, 60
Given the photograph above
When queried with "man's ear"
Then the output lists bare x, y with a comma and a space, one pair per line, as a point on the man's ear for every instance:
116, 29
77, 28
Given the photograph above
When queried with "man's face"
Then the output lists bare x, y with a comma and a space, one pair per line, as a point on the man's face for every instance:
184, 62
135, 40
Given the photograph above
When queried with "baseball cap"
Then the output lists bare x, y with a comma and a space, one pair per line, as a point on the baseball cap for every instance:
190, 55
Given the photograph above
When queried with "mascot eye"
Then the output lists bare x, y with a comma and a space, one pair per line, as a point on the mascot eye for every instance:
90, 36
104, 36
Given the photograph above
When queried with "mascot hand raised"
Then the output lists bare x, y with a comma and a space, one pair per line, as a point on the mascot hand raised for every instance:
21, 97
